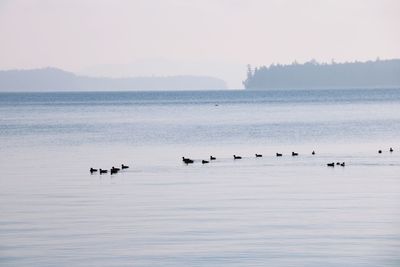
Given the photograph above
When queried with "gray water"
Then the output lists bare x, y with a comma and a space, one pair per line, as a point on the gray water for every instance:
269, 211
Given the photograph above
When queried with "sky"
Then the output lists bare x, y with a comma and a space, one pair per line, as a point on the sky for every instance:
219, 38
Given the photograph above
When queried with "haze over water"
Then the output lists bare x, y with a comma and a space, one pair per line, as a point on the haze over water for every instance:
269, 211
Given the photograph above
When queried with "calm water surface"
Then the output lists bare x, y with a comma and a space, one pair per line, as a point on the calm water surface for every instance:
289, 211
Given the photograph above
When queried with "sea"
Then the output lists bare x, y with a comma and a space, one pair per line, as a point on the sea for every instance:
160, 212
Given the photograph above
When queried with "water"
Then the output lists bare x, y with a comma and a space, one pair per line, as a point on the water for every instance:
289, 211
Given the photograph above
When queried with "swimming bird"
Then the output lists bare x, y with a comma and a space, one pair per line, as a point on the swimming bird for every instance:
313, 153
204, 161
331, 164
337, 163
93, 170
258, 155
187, 160
380, 151
237, 157
342, 164
115, 169
103, 171
124, 166
212, 158
279, 154
391, 149
295, 154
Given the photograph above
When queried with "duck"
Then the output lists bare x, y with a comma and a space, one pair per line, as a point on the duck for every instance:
331, 164
313, 153
237, 157
187, 160
204, 161
93, 170
391, 150
103, 171
124, 166
212, 158
258, 155
380, 151
115, 169
295, 154
342, 164
279, 154
337, 163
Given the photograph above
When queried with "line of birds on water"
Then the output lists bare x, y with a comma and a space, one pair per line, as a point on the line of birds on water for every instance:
114, 170
294, 154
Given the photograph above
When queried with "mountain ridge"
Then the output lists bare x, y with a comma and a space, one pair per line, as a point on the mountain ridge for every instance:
55, 79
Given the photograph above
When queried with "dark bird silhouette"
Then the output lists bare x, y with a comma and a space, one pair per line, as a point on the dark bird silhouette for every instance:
103, 171
237, 157
313, 153
380, 151
295, 154
391, 149
331, 164
124, 166
337, 163
212, 158
279, 154
204, 161
115, 169
342, 164
187, 160
93, 170
258, 155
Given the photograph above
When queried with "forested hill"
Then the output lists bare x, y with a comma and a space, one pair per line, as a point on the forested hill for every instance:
52, 79
310, 75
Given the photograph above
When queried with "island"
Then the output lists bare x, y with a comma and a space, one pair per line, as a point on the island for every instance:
314, 75
53, 79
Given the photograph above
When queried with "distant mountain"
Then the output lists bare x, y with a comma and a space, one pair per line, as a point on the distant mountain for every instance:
52, 79
370, 74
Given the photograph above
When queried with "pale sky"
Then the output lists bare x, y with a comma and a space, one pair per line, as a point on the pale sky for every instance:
205, 37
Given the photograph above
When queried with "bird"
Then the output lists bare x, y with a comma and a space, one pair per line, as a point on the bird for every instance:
279, 154
124, 166
187, 160
331, 164
258, 155
204, 161
313, 153
337, 163
103, 171
380, 151
237, 157
115, 169
391, 149
212, 158
93, 170
342, 164
295, 154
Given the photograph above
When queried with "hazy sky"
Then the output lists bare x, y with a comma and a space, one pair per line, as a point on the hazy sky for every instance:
208, 37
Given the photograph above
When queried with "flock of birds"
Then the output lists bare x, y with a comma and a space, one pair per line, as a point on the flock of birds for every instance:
294, 154
114, 170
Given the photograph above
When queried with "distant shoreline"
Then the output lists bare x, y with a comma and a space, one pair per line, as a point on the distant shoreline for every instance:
56, 80
314, 75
